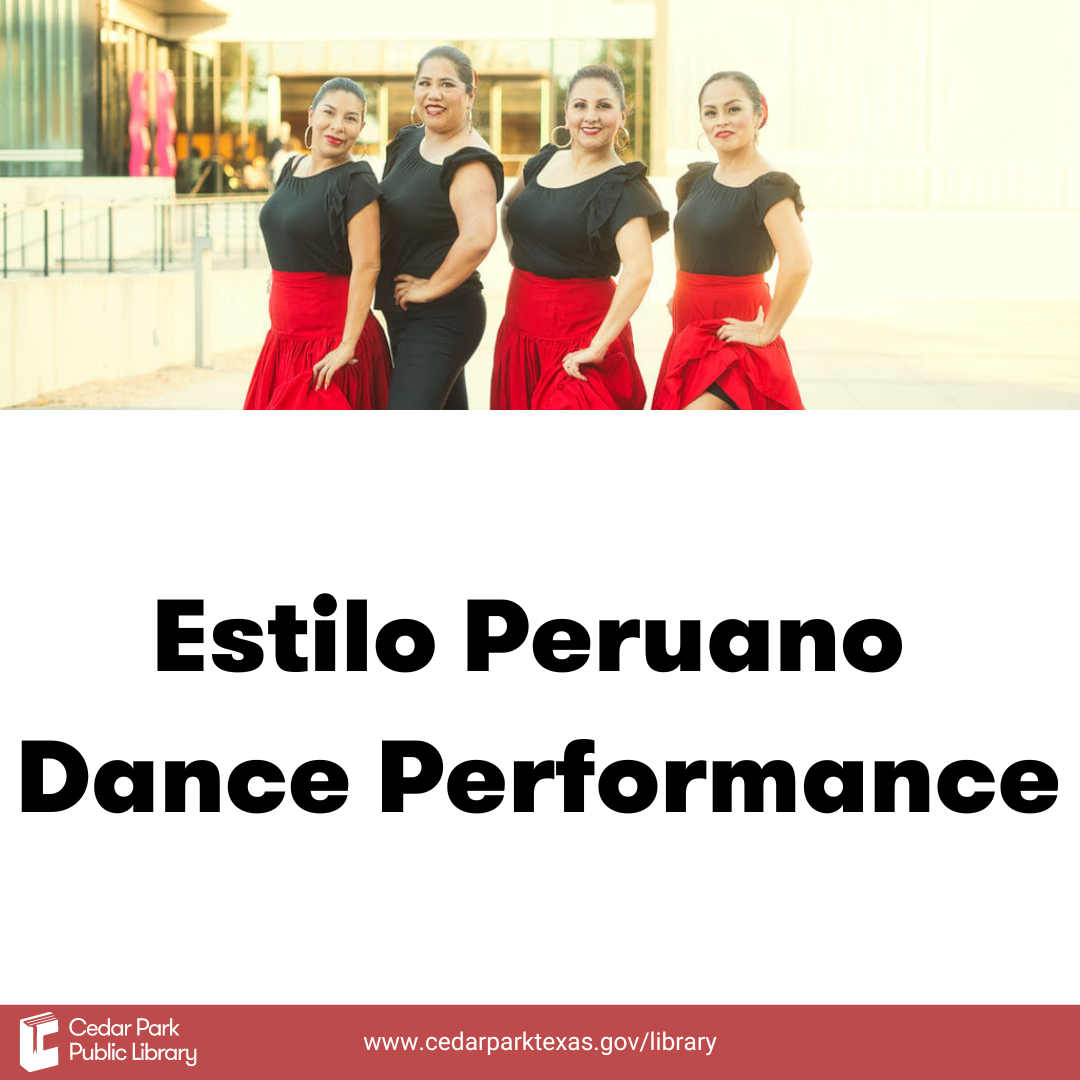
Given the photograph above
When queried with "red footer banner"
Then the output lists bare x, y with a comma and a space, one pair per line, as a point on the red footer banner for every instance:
269, 1041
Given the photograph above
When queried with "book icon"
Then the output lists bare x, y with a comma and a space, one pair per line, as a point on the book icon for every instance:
32, 1031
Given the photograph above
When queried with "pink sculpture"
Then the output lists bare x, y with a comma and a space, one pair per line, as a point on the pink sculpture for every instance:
139, 163
165, 138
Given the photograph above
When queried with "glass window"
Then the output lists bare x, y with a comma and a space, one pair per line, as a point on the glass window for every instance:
39, 84
481, 113
230, 60
258, 54
400, 99
258, 104
203, 102
568, 56
258, 118
628, 59
177, 63
370, 135
203, 66
232, 102
522, 133
115, 69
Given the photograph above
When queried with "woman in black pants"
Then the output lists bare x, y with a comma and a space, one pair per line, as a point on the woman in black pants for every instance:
439, 189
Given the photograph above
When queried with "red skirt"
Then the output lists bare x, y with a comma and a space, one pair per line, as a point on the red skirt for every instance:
695, 358
307, 317
545, 319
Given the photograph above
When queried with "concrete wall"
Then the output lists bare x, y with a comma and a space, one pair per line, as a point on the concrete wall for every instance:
901, 104
60, 332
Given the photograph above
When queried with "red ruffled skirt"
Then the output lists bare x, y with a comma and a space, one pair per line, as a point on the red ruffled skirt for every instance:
545, 319
307, 317
695, 358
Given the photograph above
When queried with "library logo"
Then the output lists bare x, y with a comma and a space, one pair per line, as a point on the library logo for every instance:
32, 1031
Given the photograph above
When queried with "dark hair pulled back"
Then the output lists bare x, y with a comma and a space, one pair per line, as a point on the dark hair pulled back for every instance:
748, 84
340, 83
462, 64
600, 71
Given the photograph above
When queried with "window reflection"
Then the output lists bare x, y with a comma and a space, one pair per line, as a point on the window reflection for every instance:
226, 109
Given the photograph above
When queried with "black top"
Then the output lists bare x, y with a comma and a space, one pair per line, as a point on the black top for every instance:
720, 230
305, 223
418, 224
569, 232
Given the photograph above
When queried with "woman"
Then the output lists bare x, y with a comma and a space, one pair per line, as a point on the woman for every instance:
733, 219
439, 189
575, 213
325, 349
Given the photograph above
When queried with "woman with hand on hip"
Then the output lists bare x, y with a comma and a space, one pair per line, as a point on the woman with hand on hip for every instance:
577, 213
734, 218
325, 348
439, 189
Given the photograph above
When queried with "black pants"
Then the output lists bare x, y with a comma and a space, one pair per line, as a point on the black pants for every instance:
431, 347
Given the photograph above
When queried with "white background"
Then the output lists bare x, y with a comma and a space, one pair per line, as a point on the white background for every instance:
957, 528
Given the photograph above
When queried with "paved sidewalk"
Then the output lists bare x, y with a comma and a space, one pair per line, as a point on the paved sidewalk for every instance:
904, 310
969, 354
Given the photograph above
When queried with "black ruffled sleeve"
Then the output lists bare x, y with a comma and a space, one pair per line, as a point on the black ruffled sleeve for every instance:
770, 189
465, 156
624, 195
689, 178
346, 196
538, 161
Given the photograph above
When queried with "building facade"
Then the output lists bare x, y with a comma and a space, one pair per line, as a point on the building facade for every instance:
48, 87
920, 104
240, 78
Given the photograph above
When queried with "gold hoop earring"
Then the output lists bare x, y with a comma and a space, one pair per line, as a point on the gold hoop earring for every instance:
564, 146
415, 123
307, 132
620, 147
363, 149
697, 143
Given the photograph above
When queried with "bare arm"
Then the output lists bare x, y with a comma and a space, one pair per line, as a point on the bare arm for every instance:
364, 239
786, 233
472, 198
634, 244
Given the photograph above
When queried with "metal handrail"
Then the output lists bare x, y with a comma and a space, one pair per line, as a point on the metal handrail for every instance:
92, 213
214, 159
159, 200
